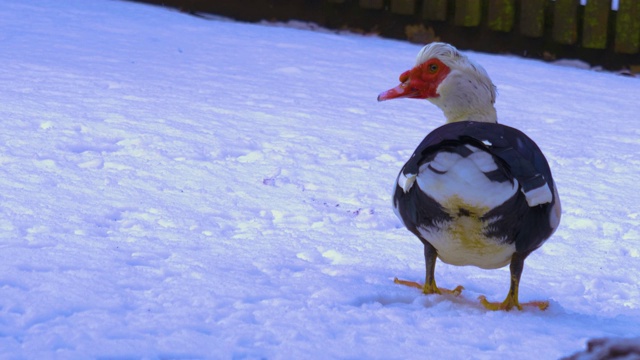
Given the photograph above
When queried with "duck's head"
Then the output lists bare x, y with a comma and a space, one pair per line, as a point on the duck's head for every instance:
461, 88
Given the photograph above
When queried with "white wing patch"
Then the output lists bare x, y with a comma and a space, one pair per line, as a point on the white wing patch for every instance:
539, 195
444, 161
406, 181
450, 174
484, 161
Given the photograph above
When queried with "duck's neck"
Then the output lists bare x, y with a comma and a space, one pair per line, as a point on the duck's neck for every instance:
487, 114
463, 97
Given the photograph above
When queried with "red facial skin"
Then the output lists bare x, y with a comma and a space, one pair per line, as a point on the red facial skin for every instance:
421, 82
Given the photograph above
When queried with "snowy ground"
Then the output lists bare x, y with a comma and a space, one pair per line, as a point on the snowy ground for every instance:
173, 187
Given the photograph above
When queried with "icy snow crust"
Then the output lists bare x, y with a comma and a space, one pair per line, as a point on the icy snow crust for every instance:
173, 187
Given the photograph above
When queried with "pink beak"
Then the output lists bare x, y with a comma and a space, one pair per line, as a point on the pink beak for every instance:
403, 90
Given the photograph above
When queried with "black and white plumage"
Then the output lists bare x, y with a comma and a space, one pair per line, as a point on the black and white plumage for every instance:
475, 192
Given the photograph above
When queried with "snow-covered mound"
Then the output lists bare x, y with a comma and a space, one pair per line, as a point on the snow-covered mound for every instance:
175, 187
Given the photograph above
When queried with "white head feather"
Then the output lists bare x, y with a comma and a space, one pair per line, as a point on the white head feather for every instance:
467, 93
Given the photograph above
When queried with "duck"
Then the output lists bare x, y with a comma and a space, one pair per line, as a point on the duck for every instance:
474, 192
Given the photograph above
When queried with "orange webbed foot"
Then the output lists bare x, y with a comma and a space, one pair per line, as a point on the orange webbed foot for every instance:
430, 288
510, 303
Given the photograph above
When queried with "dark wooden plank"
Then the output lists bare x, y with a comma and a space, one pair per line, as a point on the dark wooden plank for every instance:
403, 7
532, 17
434, 10
501, 15
595, 24
565, 21
419, 34
468, 13
371, 4
628, 27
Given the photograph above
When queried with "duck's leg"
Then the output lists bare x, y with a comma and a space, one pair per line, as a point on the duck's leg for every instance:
430, 287
511, 301
430, 258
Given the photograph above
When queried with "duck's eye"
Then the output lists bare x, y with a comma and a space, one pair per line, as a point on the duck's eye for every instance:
433, 68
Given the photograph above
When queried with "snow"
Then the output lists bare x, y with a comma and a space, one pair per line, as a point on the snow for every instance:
175, 187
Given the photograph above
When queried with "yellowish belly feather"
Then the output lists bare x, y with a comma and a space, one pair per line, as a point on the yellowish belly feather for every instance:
461, 241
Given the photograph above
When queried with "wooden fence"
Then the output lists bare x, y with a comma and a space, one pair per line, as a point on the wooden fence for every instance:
534, 28
565, 17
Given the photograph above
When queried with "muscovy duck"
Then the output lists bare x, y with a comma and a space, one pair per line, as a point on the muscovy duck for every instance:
474, 192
